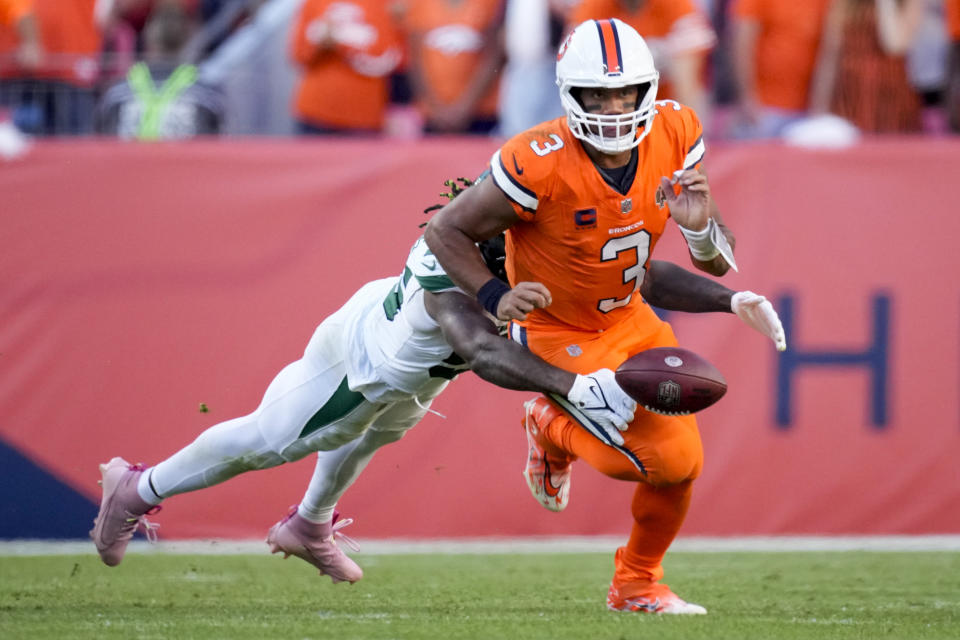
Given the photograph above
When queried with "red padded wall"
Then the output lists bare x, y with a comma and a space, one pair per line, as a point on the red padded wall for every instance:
137, 282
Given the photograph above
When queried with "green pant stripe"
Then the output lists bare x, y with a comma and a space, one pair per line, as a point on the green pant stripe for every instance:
342, 402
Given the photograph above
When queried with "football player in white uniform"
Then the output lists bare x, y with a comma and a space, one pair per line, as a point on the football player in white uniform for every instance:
368, 374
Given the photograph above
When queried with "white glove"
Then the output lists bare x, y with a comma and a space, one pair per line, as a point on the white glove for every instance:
598, 396
757, 312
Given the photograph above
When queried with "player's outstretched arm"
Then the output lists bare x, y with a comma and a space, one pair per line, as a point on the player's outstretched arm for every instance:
475, 338
673, 288
476, 214
507, 364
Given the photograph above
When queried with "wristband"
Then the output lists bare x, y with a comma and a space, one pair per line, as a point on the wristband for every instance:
490, 293
700, 242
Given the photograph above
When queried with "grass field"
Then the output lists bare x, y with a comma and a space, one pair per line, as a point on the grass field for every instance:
822, 595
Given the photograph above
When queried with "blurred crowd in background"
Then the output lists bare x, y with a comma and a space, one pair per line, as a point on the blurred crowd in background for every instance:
168, 69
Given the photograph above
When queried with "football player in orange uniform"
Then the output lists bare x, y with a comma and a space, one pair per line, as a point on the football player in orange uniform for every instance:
584, 200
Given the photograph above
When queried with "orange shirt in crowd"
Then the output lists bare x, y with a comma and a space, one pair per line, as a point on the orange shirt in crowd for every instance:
12, 10
953, 19
786, 49
345, 84
669, 27
70, 37
10, 13
453, 35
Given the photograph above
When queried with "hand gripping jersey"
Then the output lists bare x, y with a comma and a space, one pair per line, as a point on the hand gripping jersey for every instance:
581, 237
394, 347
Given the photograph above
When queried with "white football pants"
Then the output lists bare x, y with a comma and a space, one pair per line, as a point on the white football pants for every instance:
307, 408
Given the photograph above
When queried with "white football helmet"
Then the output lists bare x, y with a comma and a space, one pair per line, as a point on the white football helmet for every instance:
609, 54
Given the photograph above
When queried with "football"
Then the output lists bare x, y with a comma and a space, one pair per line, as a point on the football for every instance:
671, 381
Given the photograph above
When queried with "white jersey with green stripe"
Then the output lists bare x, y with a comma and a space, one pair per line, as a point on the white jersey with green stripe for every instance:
394, 347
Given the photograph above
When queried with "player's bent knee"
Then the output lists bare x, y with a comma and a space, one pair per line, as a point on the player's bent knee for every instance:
382, 436
677, 462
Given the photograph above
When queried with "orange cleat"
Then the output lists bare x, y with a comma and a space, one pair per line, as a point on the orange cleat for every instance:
657, 599
547, 476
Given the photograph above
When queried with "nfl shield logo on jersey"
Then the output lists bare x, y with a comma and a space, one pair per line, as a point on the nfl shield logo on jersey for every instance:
626, 206
660, 198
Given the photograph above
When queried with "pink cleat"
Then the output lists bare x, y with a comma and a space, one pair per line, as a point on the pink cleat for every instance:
122, 510
316, 543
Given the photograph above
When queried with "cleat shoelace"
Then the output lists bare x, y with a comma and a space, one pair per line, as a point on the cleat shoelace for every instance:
339, 536
337, 524
150, 528
132, 522
638, 604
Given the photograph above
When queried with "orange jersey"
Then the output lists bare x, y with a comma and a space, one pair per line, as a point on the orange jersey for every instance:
12, 10
453, 36
71, 41
680, 24
579, 236
670, 27
952, 8
346, 86
786, 49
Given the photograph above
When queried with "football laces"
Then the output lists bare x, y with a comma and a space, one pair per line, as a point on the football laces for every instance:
666, 413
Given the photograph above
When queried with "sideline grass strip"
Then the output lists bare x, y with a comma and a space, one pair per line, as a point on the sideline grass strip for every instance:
829, 595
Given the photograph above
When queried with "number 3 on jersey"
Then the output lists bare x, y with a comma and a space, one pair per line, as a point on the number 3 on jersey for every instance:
639, 242
546, 147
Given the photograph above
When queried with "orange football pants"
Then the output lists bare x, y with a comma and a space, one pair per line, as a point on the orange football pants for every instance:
668, 447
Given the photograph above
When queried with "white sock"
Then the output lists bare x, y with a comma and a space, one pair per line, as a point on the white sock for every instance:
336, 470
221, 452
318, 515
147, 494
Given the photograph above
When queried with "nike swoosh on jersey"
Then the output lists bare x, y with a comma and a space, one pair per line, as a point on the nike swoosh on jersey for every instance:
516, 166
429, 265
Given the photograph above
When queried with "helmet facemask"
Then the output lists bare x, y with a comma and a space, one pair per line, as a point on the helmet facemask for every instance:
611, 133
607, 54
